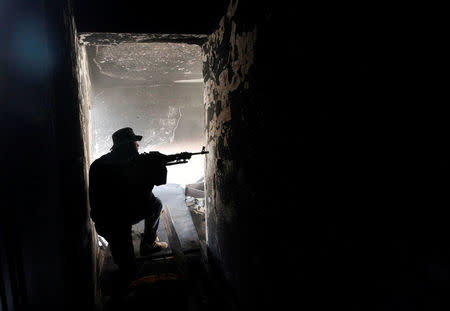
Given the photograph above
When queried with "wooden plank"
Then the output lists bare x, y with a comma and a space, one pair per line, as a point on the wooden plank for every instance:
192, 192
172, 196
172, 235
174, 241
199, 186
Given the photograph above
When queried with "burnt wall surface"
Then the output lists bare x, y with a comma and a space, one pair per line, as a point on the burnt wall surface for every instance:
231, 128
326, 173
45, 231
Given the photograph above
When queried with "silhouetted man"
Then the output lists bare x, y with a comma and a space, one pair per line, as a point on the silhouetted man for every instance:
120, 191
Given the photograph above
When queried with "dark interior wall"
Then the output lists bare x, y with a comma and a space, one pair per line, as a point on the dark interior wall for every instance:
365, 213
45, 223
326, 173
231, 129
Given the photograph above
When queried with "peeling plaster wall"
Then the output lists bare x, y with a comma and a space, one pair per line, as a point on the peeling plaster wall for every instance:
231, 127
322, 188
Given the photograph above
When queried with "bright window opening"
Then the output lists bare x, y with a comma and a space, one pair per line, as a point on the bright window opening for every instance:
156, 89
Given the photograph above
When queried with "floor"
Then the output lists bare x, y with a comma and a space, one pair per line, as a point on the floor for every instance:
176, 277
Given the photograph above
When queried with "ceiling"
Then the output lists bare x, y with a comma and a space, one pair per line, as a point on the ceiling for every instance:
189, 17
145, 64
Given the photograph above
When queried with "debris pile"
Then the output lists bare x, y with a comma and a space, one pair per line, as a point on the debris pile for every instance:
197, 205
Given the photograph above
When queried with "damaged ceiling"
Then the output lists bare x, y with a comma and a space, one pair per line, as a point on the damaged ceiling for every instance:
154, 63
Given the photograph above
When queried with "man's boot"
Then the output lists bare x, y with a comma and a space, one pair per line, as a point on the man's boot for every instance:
147, 248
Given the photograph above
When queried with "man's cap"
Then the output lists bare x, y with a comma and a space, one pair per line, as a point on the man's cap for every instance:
124, 135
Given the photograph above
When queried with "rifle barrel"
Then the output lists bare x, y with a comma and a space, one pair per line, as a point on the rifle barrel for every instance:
176, 162
201, 152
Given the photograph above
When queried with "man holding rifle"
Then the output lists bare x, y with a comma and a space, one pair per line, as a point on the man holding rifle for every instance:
120, 195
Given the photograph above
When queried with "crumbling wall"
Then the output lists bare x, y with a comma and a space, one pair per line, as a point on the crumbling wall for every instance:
318, 125
230, 129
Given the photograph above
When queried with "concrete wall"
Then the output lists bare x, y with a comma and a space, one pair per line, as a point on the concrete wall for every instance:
45, 222
92, 261
231, 129
318, 162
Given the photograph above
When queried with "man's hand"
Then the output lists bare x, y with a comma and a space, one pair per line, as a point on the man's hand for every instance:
185, 155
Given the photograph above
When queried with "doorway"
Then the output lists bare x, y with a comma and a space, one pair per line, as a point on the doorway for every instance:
156, 88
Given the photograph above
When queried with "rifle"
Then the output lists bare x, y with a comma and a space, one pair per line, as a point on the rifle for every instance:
180, 158
156, 163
